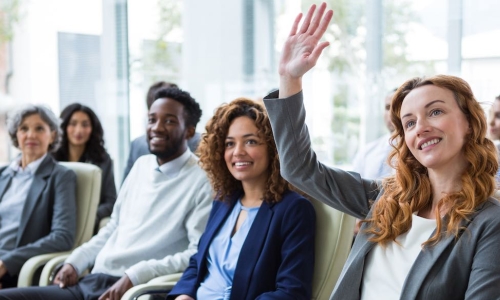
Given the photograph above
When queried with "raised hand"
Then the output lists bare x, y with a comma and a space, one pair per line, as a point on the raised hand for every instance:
67, 276
302, 48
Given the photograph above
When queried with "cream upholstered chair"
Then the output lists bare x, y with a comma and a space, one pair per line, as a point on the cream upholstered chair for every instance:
88, 190
334, 234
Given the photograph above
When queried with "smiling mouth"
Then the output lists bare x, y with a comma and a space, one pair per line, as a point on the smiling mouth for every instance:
429, 143
241, 164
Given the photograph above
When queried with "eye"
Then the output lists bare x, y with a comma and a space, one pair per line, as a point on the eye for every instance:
229, 144
436, 112
409, 124
251, 142
151, 120
23, 128
40, 128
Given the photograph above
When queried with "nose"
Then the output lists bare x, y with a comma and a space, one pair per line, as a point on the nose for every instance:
239, 149
156, 126
492, 122
423, 126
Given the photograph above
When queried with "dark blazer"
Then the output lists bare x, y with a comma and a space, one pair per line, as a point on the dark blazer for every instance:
140, 147
277, 257
48, 220
467, 267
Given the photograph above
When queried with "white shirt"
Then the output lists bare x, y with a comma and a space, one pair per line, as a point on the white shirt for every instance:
371, 160
386, 267
157, 220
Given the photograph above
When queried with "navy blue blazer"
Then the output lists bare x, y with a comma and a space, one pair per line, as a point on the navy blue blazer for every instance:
277, 257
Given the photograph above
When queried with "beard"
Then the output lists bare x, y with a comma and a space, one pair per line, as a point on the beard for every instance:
171, 148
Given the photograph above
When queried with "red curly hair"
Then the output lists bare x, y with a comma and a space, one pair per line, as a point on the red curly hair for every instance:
409, 190
212, 147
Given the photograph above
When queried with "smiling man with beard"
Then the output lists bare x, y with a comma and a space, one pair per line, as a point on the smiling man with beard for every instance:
158, 218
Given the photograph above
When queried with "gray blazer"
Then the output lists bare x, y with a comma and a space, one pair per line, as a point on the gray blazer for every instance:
48, 221
463, 268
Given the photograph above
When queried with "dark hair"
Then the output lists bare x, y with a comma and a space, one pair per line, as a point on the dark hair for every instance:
150, 96
94, 148
213, 144
191, 107
498, 97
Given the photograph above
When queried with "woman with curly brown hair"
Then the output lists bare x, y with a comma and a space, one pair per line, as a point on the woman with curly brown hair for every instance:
430, 231
259, 240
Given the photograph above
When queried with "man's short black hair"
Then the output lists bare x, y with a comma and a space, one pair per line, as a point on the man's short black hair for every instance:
191, 107
150, 97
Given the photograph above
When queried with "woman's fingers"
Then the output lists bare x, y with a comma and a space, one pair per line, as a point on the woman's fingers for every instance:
307, 20
293, 31
323, 24
317, 18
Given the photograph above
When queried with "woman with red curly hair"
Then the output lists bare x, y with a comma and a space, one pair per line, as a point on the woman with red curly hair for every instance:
432, 230
259, 240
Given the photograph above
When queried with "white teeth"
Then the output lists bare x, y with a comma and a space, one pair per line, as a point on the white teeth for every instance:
239, 164
431, 142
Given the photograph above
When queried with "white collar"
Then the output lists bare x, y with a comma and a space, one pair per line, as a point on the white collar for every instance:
173, 167
30, 168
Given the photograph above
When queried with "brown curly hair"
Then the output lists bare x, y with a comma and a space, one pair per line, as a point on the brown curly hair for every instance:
409, 190
212, 147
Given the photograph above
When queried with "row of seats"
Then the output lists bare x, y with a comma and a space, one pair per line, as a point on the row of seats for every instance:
333, 241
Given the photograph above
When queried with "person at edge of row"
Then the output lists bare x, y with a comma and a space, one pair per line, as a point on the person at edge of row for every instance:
83, 141
259, 241
158, 218
371, 160
37, 195
494, 129
430, 231
139, 146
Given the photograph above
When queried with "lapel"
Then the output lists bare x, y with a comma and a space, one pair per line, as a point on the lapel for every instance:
5, 180
251, 250
219, 217
37, 186
352, 272
428, 257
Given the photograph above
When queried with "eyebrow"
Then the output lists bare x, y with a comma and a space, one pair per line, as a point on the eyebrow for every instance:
426, 106
166, 115
246, 135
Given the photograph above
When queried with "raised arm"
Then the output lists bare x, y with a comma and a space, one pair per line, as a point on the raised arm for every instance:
342, 190
302, 49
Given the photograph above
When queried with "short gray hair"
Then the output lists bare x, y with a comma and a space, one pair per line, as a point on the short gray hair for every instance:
15, 118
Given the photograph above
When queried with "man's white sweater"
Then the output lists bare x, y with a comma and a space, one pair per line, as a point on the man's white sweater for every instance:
156, 222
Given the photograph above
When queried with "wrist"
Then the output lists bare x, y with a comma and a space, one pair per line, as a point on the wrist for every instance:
289, 86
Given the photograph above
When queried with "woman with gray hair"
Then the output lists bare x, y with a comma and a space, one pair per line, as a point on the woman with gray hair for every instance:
37, 195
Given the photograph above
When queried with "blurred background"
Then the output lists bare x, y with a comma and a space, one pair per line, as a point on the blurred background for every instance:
106, 53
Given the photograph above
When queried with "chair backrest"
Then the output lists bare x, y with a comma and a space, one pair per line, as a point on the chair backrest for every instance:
88, 191
334, 234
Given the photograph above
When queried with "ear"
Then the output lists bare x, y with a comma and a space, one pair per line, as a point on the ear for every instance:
52, 137
190, 130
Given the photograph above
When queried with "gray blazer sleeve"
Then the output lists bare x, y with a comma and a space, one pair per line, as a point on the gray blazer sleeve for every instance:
138, 148
345, 191
41, 233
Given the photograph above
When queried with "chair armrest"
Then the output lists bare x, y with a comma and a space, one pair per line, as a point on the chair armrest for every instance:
166, 278
49, 267
31, 265
148, 288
